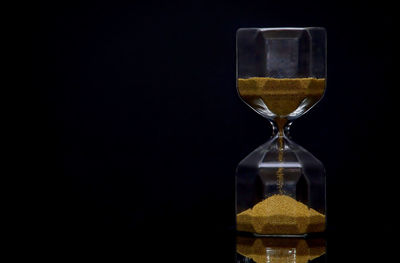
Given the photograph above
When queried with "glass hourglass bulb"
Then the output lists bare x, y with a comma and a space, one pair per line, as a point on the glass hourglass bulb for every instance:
281, 74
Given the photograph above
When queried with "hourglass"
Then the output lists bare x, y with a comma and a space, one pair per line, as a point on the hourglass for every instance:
280, 186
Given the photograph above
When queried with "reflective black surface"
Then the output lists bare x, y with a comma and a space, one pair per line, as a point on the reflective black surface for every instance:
203, 246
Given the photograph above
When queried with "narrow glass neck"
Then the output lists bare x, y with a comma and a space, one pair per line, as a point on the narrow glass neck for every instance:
281, 127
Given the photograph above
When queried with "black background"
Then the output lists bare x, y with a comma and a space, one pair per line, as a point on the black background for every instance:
138, 128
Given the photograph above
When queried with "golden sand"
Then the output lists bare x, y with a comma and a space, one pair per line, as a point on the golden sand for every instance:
280, 214
280, 96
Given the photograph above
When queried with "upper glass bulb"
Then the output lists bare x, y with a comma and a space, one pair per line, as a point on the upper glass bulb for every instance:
281, 72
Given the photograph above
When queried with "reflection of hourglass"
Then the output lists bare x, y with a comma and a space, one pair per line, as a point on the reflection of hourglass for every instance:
281, 74
280, 250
